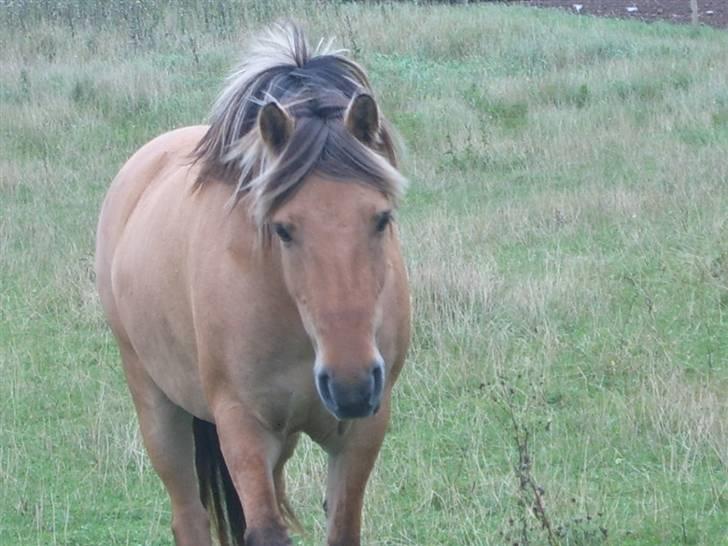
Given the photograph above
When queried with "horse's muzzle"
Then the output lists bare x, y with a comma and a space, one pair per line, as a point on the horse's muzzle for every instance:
347, 400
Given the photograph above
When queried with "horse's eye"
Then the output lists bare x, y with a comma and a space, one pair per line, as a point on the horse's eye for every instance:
283, 234
383, 221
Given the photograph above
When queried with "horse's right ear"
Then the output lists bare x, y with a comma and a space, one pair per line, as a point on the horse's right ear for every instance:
275, 126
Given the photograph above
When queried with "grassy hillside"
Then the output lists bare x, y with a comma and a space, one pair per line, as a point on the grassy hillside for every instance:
566, 232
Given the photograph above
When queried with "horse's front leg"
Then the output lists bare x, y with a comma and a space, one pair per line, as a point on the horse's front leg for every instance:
350, 464
251, 452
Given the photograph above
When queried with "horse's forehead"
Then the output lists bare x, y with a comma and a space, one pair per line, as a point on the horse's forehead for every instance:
333, 199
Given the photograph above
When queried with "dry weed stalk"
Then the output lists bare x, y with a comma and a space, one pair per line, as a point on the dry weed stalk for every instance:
530, 493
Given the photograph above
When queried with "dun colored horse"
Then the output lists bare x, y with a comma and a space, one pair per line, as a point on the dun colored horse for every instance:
252, 276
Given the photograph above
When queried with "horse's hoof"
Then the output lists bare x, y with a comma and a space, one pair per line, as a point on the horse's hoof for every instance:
271, 536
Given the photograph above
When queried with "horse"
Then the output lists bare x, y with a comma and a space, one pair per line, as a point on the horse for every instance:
251, 273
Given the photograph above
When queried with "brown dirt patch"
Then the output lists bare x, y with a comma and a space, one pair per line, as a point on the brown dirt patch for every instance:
710, 12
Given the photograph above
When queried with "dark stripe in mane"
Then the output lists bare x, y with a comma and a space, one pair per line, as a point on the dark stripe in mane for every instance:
315, 90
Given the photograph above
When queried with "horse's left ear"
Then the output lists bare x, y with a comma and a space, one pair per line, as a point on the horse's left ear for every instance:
275, 125
362, 118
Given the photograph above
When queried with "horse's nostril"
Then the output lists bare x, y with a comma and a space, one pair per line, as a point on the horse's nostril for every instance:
378, 375
323, 383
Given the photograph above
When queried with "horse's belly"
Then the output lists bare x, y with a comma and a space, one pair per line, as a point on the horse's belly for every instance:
149, 288
164, 345
172, 365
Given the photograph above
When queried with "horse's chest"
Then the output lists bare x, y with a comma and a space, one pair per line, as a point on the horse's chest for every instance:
283, 395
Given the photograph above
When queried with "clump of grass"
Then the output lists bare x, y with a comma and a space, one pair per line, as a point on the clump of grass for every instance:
562, 94
507, 113
25, 88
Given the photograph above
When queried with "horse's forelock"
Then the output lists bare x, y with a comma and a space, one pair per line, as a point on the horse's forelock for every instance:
325, 148
314, 86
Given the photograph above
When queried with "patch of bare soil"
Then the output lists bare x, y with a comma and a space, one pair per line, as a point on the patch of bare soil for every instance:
710, 12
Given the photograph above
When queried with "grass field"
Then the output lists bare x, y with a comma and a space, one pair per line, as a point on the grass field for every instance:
566, 231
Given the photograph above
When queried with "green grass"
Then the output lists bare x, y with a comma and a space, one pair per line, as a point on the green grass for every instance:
566, 231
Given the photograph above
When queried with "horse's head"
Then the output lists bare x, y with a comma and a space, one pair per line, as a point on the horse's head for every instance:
335, 235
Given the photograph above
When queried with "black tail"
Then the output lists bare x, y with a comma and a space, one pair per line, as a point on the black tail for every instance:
217, 491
